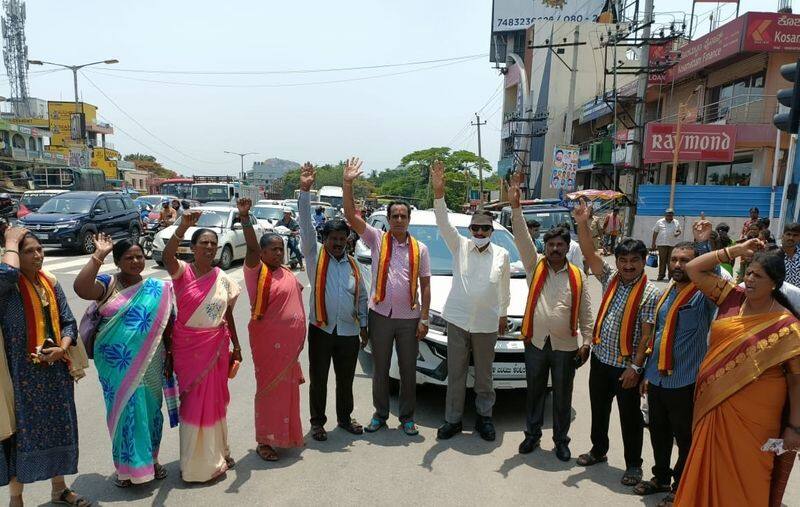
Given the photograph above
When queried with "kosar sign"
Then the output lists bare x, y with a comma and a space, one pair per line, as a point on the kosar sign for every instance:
707, 143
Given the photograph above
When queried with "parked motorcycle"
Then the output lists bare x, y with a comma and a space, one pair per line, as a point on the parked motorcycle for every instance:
151, 228
290, 257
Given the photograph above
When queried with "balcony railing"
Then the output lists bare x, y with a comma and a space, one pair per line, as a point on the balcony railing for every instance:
740, 109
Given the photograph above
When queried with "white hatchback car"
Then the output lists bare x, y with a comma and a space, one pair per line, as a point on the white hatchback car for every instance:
224, 220
509, 365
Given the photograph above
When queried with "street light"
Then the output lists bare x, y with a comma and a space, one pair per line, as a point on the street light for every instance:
241, 155
74, 69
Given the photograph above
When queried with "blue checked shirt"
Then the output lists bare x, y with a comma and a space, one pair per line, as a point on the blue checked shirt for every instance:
690, 344
607, 351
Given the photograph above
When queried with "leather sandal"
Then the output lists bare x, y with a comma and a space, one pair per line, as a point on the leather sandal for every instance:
266, 452
650, 487
319, 434
160, 472
352, 427
69, 497
588, 459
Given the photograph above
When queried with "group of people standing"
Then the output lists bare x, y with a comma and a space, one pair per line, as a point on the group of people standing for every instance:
719, 363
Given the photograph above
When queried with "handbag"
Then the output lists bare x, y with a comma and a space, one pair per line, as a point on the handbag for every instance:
87, 330
652, 260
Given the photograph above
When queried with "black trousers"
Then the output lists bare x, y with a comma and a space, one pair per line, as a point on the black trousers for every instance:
343, 350
604, 386
670, 413
538, 365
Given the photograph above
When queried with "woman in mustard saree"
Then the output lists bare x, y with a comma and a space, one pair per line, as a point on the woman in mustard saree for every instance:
748, 382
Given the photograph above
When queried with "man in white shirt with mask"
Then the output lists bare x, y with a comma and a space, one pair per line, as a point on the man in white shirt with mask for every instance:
475, 312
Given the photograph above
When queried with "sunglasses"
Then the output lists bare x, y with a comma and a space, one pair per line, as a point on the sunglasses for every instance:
484, 228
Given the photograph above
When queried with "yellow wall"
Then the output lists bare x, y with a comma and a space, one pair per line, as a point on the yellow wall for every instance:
105, 159
62, 130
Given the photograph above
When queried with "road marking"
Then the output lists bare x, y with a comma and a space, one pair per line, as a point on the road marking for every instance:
105, 268
67, 264
236, 275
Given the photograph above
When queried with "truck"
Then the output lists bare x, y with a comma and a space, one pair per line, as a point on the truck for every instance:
69, 178
220, 189
332, 195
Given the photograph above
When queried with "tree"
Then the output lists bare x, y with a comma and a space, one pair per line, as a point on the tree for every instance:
327, 175
149, 163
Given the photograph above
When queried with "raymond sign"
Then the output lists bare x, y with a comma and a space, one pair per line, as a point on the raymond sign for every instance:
707, 143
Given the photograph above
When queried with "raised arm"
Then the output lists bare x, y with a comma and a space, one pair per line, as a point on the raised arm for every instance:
189, 219
352, 170
522, 238
581, 215
701, 270
253, 256
446, 229
13, 237
86, 285
308, 233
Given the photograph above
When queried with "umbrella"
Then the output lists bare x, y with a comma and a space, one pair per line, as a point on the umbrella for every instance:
593, 195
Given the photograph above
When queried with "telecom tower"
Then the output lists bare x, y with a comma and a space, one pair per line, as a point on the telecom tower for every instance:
15, 54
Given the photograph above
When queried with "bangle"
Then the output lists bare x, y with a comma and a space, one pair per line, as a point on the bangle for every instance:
175, 235
97, 259
727, 254
11, 251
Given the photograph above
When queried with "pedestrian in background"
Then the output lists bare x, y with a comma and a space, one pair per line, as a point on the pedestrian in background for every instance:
202, 332
337, 313
40, 424
534, 228
624, 322
475, 311
277, 331
747, 223
134, 418
723, 231
612, 228
294, 231
398, 316
558, 306
791, 257
666, 234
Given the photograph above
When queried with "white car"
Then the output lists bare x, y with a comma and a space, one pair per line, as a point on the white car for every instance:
508, 369
224, 220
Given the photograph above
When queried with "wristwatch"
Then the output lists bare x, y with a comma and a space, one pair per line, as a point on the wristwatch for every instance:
637, 369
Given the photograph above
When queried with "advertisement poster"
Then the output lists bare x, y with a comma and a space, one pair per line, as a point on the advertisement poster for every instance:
520, 14
565, 164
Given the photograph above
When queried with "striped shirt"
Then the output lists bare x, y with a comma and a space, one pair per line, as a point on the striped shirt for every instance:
690, 344
792, 264
608, 351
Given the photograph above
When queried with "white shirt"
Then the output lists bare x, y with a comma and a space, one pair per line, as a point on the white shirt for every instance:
669, 233
481, 290
574, 255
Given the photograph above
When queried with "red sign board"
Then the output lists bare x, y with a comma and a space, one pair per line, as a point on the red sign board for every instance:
722, 43
707, 143
771, 31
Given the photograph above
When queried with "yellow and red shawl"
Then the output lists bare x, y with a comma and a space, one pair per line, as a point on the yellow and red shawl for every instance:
34, 311
262, 292
670, 324
537, 284
321, 280
629, 314
383, 268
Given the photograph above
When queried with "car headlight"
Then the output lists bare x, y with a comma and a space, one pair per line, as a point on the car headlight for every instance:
69, 224
437, 323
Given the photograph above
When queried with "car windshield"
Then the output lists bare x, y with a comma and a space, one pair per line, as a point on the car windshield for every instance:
291, 204
442, 261
205, 193
35, 200
213, 219
67, 205
548, 219
267, 212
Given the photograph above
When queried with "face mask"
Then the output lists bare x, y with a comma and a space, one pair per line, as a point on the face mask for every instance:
481, 242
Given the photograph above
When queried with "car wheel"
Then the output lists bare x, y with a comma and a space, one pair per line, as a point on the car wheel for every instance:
147, 247
86, 243
226, 259
135, 234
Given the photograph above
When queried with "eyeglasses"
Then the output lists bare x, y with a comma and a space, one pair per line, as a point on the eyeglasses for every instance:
484, 228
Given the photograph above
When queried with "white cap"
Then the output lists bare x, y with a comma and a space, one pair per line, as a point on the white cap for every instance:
287, 210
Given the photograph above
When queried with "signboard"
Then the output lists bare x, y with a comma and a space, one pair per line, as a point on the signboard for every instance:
707, 143
509, 15
722, 43
771, 31
67, 127
565, 164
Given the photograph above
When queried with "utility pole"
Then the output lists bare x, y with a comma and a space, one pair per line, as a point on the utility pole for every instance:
675, 153
241, 156
478, 124
572, 80
640, 116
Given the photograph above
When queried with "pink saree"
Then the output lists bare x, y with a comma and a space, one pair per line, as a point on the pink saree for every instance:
200, 350
276, 341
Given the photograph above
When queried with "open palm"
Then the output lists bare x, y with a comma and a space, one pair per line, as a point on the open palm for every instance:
307, 176
514, 191
102, 244
352, 169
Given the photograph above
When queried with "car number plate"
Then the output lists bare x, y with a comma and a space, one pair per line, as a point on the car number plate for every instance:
42, 235
184, 250
508, 370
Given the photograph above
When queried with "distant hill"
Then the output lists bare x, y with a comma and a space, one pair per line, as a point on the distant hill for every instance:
275, 167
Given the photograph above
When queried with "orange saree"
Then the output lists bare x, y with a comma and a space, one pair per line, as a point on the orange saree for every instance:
739, 400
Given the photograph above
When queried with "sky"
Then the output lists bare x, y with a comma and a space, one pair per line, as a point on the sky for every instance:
187, 116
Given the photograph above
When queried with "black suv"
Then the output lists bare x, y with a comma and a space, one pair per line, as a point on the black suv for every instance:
72, 218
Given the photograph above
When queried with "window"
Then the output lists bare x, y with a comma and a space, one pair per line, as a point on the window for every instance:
100, 206
730, 100
115, 204
735, 174
129, 204
32, 144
